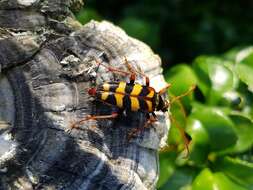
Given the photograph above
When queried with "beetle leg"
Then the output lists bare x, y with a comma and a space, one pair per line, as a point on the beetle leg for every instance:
132, 78
115, 70
75, 125
129, 67
154, 115
134, 71
147, 81
134, 132
184, 94
163, 90
186, 137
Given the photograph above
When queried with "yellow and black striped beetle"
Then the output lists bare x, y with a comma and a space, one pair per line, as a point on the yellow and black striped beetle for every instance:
131, 96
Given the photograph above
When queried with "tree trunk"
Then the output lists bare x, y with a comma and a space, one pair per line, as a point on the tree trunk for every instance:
47, 64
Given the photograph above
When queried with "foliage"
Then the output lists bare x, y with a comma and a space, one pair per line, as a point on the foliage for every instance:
179, 30
218, 117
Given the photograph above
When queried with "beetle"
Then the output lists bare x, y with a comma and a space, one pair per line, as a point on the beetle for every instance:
132, 96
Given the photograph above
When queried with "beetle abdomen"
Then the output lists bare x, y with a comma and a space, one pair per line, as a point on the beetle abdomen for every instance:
128, 88
125, 101
133, 97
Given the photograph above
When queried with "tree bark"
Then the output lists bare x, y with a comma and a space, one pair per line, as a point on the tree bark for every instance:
47, 64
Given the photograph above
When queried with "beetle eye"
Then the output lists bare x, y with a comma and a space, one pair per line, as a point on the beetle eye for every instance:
92, 91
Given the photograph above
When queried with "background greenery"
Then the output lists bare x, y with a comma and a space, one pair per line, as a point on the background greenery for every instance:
219, 120
179, 30
191, 37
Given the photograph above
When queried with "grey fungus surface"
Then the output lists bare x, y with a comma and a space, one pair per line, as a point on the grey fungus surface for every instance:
44, 80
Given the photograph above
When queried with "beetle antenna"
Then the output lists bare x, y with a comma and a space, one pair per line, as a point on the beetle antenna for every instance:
99, 63
192, 88
184, 135
181, 107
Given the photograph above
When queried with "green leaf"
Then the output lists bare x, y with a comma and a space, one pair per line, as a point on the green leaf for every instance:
238, 170
245, 55
219, 127
197, 131
247, 100
214, 78
244, 66
181, 77
232, 99
206, 180
198, 154
167, 167
180, 83
245, 74
199, 147
232, 53
182, 177
244, 130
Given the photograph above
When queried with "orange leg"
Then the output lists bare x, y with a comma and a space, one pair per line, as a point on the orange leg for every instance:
177, 98
163, 90
134, 132
123, 73
112, 69
134, 71
184, 135
192, 88
75, 125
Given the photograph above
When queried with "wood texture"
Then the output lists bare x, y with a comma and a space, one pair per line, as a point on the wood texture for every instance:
45, 74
